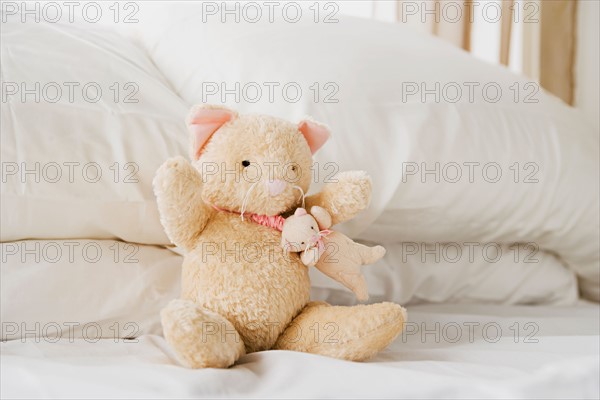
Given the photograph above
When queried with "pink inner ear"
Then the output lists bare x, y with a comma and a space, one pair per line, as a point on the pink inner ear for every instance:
316, 135
204, 122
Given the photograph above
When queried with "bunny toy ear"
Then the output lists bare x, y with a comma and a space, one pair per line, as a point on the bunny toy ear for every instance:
300, 211
322, 217
315, 134
205, 120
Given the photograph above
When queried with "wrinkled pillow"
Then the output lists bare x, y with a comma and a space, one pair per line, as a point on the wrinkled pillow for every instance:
88, 289
86, 121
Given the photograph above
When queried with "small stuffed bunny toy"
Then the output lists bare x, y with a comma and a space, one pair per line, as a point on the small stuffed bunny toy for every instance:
333, 253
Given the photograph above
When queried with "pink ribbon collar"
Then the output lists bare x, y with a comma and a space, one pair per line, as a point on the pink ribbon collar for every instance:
270, 221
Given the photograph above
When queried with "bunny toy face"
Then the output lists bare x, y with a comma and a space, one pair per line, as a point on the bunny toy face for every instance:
300, 231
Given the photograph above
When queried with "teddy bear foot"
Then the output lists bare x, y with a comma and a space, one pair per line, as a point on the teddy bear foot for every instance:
350, 333
200, 338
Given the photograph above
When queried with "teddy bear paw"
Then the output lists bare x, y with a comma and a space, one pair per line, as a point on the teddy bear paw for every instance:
199, 337
170, 172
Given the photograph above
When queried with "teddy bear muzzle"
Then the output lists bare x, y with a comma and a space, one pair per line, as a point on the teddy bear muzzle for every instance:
276, 187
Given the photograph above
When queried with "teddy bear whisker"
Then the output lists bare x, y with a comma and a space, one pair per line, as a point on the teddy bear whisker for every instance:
245, 200
302, 193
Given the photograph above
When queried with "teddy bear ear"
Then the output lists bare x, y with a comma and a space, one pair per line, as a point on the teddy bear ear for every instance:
316, 134
203, 121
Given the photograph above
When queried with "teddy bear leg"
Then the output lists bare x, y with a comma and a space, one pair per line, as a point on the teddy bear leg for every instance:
200, 338
350, 333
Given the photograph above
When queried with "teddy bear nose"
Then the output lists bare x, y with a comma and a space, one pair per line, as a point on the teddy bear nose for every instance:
275, 187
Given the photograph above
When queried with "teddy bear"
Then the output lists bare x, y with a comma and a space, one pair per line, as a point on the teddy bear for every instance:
331, 252
241, 292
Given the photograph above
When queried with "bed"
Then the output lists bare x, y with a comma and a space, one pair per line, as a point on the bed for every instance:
525, 352
500, 277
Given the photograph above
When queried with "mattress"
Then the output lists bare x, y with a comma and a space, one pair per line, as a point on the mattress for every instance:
446, 351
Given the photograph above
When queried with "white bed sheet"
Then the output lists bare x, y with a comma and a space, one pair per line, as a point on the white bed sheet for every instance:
563, 363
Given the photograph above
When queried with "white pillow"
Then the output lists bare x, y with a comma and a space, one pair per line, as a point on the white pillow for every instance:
124, 134
112, 289
84, 288
418, 272
548, 157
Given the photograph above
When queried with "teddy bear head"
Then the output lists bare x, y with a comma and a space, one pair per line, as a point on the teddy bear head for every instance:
301, 230
252, 163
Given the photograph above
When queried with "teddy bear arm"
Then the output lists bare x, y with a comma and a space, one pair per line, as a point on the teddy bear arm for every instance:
348, 194
183, 214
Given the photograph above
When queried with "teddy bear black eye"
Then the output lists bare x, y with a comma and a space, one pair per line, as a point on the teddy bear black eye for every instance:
294, 168
302, 242
312, 227
245, 163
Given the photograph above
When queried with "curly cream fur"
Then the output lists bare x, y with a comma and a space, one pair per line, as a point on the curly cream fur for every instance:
344, 197
240, 289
